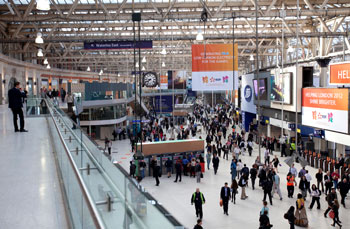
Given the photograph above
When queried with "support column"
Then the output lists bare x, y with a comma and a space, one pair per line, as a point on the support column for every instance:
323, 71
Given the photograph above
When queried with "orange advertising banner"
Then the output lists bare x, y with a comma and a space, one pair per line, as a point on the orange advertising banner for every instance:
339, 73
214, 57
327, 98
164, 79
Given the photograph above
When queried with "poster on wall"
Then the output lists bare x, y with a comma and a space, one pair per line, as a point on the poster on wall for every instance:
212, 67
247, 94
326, 108
164, 82
281, 85
339, 73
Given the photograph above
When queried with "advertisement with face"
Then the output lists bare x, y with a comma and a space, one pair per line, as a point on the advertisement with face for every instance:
247, 94
326, 108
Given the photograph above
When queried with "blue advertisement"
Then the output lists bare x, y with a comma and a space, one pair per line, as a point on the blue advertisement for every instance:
118, 45
166, 104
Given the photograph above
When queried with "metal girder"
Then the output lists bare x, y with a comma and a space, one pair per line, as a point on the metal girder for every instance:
75, 4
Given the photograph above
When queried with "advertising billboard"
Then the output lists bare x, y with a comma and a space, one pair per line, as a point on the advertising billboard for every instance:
262, 88
247, 94
179, 78
163, 82
326, 108
212, 67
281, 85
339, 73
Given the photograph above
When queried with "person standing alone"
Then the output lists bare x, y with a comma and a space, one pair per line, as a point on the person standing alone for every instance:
225, 196
198, 200
15, 104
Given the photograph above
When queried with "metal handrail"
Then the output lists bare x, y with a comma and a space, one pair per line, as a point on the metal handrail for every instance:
98, 222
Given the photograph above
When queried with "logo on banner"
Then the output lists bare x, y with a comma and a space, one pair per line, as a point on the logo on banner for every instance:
248, 93
319, 116
225, 79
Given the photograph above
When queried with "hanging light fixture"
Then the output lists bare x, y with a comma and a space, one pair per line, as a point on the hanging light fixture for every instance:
40, 53
43, 5
45, 61
39, 38
251, 57
143, 68
163, 64
163, 52
118, 74
144, 60
101, 72
199, 36
48, 66
290, 49
88, 69
137, 64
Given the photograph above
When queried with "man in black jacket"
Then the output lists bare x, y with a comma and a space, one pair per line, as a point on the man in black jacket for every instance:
343, 187
15, 104
178, 169
215, 163
198, 199
225, 196
267, 187
330, 200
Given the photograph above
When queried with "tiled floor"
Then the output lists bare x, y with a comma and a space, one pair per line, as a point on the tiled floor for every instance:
30, 195
245, 214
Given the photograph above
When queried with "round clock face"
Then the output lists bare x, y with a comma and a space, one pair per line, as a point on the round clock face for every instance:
150, 79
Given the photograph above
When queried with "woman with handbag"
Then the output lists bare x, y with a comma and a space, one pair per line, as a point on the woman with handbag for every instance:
300, 212
335, 210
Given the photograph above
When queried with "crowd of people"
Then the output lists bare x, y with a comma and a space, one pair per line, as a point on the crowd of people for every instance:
224, 139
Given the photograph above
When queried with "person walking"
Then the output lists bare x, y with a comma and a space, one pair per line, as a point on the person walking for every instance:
225, 196
198, 225
343, 187
264, 208
276, 185
290, 217
267, 187
319, 178
157, 173
216, 163
267, 157
335, 209
198, 171
315, 194
208, 159
233, 168
178, 169
142, 165
275, 163
303, 186
290, 184
253, 173
15, 97
132, 169
169, 166
300, 212
264, 221
234, 189
243, 183
239, 167
198, 200
330, 200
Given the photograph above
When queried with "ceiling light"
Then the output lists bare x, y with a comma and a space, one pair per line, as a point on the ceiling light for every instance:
39, 39
40, 53
48, 66
118, 74
45, 61
88, 69
290, 49
163, 64
163, 52
137, 64
199, 36
251, 57
143, 68
144, 60
101, 72
43, 5
133, 75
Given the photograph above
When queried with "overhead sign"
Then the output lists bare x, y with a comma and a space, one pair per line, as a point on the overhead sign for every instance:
118, 45
339, 73
212, 67
326, 108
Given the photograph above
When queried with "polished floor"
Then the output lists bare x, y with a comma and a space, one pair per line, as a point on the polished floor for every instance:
175, 197
30, 195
